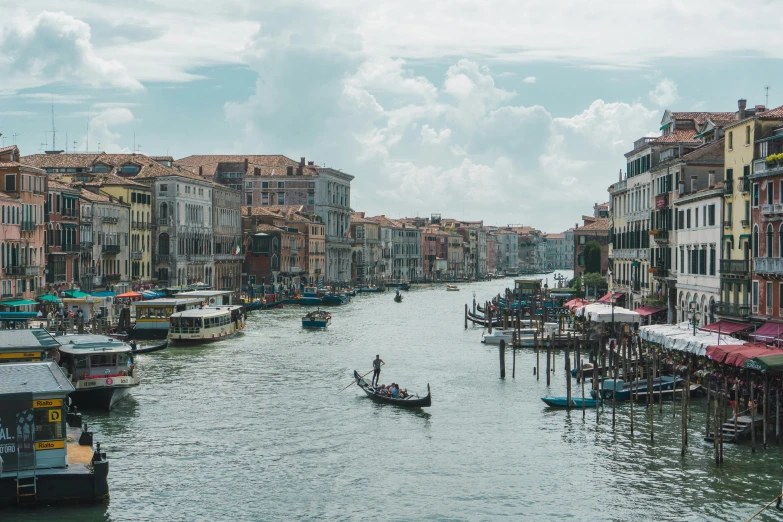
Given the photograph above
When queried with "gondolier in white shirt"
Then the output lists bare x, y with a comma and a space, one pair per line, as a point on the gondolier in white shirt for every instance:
376, 371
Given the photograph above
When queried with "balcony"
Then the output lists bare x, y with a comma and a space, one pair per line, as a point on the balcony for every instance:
638, 215
660, 236
773, 208
70, 247
744, 184
728, 187
745, 223
110, 279
294, 270
162, 259
69, 213
27, 226
110, 249
630, 253
659, 273
768, 265
56, 277
136, 255
759, 166
727, 224
110, 219
86, 218
735, 268
86, 245
24, 270
732, 310
617, 187
228, 257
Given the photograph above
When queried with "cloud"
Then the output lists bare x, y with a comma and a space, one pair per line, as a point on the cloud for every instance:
48, 98
529, 79
665, 93
430, 136
103, 133
55, 47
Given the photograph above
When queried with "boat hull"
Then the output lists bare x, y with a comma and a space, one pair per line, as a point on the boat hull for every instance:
180, 341
315, 323
578, 402
422, 402
100, 398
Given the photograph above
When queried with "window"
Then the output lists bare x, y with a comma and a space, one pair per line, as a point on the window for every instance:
769, 298
747, 135
281, 198
755, 242
731, 140
711, 215
755, 195
133, 197
770, 192
696, 217
768, 245
10, 183
265, 198
582, 240
248, 198
281, 184
164, 188
688, 218
728, 212
581, 259
712, 260
248, 184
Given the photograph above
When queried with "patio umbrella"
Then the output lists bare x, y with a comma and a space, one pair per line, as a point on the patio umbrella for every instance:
47, 298
128, 295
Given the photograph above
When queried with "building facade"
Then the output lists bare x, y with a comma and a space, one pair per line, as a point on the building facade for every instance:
227, 237
104, 230
62, 237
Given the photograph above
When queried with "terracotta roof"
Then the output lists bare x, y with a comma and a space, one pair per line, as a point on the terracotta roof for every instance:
263, 227
83, 160
111, 179
600, 224
209, 162
386, 222
153, 169
701, 117
678, 136
772, 114
56, 185
555, 236
16, 164
161, 158
709, 151
7, 148
356, 218
97, 198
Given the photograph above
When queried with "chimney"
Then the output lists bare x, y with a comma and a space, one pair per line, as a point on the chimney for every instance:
711, 177
200, 171
245, 165
289, 170
302, 161
299, 170
256, 171
693, 183
620, 177
741, 104
311, 163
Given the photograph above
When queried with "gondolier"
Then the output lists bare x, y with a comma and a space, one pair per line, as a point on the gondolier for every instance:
376, 369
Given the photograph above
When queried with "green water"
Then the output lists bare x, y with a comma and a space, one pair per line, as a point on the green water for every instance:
256, 428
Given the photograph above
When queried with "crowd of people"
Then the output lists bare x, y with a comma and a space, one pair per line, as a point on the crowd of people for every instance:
393, 390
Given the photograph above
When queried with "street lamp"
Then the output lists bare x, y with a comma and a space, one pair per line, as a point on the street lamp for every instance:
694, 315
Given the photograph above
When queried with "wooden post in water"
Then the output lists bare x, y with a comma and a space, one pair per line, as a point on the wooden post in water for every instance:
764, 410
683, 421
709, 390
514, 355
551, 342
674, 390
725, 399
548, 372
777, 416
578, 358
659, 367
736, 406
650, 403
502, 359
466, 316
489, 327
635, 384
752, 417
505, 319
568, 376
538, 358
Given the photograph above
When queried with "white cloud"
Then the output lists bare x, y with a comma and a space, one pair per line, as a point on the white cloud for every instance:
55, 47
430, 136
103, 133
529, 79
665, 93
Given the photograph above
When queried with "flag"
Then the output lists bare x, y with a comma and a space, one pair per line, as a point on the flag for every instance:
239, 247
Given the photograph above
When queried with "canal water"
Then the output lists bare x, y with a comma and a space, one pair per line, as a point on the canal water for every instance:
257, 428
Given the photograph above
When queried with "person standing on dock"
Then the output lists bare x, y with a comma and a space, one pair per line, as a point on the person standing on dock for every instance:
376, 369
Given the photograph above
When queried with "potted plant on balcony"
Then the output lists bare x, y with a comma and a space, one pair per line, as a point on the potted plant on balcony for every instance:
774, 160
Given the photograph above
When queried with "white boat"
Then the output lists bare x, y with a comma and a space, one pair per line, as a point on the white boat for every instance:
526, 336
152, 317
100, 368
452, 288
203, 325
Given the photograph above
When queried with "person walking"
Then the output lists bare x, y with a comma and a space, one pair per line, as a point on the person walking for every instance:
376, 369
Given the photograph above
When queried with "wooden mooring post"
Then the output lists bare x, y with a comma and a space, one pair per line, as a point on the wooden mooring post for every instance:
568, 370
752, 418
650, 403
708, 380
764, 409
466, 316
548, 372
536, 370
502, 359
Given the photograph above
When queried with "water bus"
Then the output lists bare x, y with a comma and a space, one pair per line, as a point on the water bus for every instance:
152, 317
100, 368
206, 324
210, 297
47, 456
452, 288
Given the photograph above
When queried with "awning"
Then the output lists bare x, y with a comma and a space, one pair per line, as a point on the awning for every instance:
129, 294
773, 362
775, 137
104, 294
75, 294
737, 354
260, 234
725, 327
48, 298
646, 310
18, 303
680, 337
608, 297
573, 304
768, 333
17, 316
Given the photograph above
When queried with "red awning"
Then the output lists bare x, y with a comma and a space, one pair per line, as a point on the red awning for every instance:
725, 327
768, 333
576, 303
737, 354
608, 297
646, 310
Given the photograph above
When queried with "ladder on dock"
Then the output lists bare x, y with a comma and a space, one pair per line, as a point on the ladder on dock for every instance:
26, 488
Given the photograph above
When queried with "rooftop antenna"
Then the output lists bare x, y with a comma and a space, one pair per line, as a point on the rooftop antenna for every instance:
87, 139
74, 146
54, 133
15, 135
766, 94
134, 142
3, 140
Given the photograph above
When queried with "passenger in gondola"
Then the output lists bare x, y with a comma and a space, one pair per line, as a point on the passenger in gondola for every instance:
395, 392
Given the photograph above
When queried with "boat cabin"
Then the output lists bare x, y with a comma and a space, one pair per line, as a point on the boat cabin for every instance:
211, 297
89, 360
205, 324
155, 313
29, 345
32, 417
527, 289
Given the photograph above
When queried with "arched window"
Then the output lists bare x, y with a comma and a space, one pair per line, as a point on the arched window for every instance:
769, 240
756, 241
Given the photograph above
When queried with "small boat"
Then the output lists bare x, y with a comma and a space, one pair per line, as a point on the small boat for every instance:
335, 299
206, 324
411, 401
369, 289
317, 319
578, 402
148, 349
623, 389
526, 337
401, 286
398, 298
452, 288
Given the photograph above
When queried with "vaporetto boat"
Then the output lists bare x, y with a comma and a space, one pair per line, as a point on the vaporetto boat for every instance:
207, 324
152, 317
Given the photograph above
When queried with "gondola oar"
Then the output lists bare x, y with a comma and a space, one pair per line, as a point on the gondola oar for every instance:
354, 381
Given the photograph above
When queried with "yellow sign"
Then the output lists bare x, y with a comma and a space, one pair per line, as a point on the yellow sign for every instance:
47, 403
55, 415
50, 444
20, 355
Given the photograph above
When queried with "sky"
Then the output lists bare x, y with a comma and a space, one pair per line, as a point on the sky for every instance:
508, 112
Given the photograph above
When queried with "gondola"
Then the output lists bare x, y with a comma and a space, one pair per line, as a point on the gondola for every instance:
481, 321
398, 298
412, 401
148, 349
562, 402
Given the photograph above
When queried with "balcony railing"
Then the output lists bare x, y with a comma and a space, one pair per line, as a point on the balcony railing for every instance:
71, 247
86, 245
768, 265
112, 278
85, 218
732, 310
660, 236
630, 253
110, 249
23, 270
69, 213
759, 166
136, 255
773, 208
728, 187
745, 223
734, 267
162, 259
744, 185
660, 272
110, 219
27, 226
638, 215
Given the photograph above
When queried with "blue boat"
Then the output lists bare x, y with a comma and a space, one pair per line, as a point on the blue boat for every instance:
317, 319
562, 402
369, 289
623, 389
310, 301
335, 299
